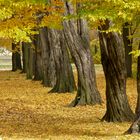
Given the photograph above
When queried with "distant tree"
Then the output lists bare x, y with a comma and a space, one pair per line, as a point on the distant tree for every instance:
38, 73
16, 58
128, 47
24, 70
29, 60
47, 56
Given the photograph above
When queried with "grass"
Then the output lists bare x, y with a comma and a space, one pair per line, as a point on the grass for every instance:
29, 112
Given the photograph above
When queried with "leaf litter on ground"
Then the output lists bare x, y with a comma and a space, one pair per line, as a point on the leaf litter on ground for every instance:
29, 112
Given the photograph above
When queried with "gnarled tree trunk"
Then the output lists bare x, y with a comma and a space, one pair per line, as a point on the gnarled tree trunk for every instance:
79, 48
64, 74
113, 61
48, 63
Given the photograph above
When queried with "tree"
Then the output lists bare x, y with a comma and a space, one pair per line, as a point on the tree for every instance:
29, 61
57, 71
109, 16
64, 74
16, 58
135, 127
113, 61
128, 48
29, 17
24, 70
48, 63
78, 44
38, 74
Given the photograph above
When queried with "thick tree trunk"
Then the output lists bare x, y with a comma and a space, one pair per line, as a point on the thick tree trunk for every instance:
64, 74
57, 71
79, 48
128, 48
138, 85
113, 61
16, 58
38, 58
48, 63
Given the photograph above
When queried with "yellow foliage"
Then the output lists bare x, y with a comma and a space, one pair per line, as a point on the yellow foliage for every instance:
18, 19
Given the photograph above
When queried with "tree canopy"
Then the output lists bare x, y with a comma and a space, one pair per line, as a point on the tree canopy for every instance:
20, 19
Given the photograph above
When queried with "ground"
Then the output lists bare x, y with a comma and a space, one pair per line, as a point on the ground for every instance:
29, 112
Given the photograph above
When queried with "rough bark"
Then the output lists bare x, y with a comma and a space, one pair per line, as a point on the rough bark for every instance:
113, 61
128, 48
16, 58
38, 58
48, 64
29, 60
64, 74
78, 45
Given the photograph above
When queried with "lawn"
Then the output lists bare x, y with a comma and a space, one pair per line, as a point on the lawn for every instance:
28, 111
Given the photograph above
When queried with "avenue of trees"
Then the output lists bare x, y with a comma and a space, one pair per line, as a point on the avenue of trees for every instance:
49, 35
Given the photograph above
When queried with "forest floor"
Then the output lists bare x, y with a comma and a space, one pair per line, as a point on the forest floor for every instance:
29, 112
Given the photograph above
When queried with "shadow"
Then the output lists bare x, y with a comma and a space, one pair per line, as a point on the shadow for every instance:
20, 121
